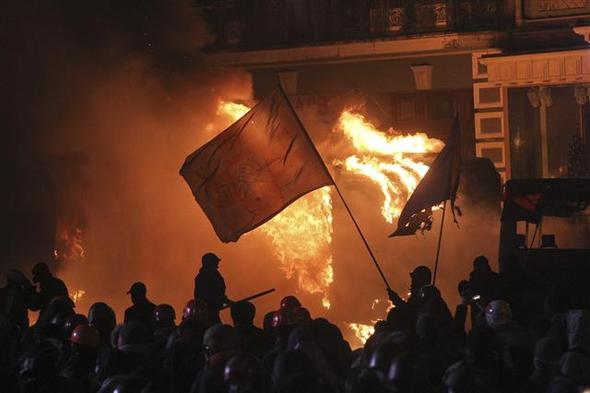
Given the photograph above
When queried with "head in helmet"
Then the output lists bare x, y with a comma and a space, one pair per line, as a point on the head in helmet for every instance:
196, 310
72, 322
241, 374
210, 261
242, 313
267, 322
219, 338
138, 292
498, 312
290, 303
420, 277
301, 315
41, 272
85, 336
164, 316
58, 310
282, 318
102, 317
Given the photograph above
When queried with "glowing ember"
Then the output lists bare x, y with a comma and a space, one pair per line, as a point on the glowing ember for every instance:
383, 158
302, 233
361, 331
69, 244
77, 295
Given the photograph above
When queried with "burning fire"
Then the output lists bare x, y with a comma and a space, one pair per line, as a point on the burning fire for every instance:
77, 295
388, 159
232, 110
384, 157
69, 244
309, 221
302, 235
361, 331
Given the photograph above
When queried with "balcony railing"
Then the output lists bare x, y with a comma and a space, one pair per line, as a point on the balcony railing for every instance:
257, 24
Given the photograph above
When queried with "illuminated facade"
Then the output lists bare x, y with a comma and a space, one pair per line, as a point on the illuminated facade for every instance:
517, 72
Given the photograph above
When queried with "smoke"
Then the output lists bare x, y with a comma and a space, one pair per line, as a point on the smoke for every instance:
105, 99
102, 101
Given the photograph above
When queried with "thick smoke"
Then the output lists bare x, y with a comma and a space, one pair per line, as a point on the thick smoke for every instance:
102, 101
105, 99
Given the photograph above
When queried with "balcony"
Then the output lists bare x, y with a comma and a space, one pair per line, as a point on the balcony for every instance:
262, 24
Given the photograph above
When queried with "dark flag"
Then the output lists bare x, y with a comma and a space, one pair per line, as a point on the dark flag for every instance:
439, 184
255, 168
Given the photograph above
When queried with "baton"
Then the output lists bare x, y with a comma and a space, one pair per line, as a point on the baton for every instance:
257, 295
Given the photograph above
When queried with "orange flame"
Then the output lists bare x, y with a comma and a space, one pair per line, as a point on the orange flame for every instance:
380, 156
309, 221
77, 295
362, 331
383, 159
69, 244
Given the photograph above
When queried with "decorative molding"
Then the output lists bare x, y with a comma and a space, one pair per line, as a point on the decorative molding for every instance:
402, 47
540, 68
479, 89
477, 65
482, 117
482, 147
536, 9
422, 76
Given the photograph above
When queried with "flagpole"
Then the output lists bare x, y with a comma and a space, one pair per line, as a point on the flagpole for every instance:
442, 223
358, 228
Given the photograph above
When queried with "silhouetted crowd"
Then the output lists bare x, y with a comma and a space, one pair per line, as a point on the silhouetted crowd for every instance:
497, 340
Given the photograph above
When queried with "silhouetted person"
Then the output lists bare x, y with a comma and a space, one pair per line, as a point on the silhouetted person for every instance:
210, 286
14, 298
483, 280
102, 317
142, 309
50, 287
252, 339
420, 277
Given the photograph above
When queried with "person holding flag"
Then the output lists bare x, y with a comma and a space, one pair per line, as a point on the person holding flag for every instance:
257, 167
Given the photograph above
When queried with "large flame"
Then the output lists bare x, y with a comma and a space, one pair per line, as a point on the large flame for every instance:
302, 233
389, 159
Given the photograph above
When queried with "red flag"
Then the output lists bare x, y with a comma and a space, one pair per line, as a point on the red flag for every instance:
439, 184
255, 168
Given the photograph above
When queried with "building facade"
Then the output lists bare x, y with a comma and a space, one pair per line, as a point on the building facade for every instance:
516, 71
